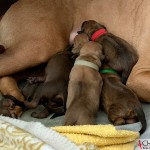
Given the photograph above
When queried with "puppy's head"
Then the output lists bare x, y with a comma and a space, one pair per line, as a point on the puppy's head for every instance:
92, 49
91, 26
7, 103
79, 41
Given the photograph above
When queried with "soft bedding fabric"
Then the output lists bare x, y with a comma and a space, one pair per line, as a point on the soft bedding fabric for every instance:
21, 135
101, 119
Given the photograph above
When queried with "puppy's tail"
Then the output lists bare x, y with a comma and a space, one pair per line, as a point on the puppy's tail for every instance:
2, 49
141, 117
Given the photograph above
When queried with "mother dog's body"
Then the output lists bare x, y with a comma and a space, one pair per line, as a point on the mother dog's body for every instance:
33, 30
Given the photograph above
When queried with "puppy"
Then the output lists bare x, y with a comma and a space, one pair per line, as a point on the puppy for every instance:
5, 106
119, 55
119, 101
10, 107
84, 84
79, 41
29, 89
53, 92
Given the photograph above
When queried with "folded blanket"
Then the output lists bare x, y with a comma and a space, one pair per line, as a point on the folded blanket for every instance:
105, 137
21, 135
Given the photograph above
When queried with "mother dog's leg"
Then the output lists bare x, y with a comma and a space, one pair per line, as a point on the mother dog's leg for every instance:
139, 79
8, 86
25, 56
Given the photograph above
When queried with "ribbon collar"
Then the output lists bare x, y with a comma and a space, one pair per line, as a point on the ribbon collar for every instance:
86, 63
98, 33
105, 71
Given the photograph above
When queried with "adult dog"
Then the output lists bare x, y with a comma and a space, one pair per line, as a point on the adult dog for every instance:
34, 30
4, 5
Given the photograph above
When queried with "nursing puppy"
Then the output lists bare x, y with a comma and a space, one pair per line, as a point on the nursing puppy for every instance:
53, 92
28, 90
84, 86
119, 101
79, 41
119, 55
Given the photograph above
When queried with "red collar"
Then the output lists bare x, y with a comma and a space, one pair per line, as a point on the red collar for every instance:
98, 33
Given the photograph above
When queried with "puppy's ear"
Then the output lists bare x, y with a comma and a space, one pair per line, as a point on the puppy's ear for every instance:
82, 29
83, 24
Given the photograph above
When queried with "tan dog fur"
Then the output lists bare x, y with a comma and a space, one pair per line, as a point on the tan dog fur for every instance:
84, 87
33, 30
8, 86
78, 42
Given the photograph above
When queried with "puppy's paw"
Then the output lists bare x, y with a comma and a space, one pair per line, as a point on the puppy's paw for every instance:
43, 114
38, 115
35, 115
31, 104
119, 115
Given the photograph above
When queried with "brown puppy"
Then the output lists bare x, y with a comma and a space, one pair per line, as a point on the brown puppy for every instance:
28, 90
79, 41
84, 84
53, 92
119, 101
10, 107
51, 106
5, 107
119, 55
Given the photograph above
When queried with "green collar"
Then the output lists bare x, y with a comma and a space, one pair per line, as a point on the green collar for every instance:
108, 71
